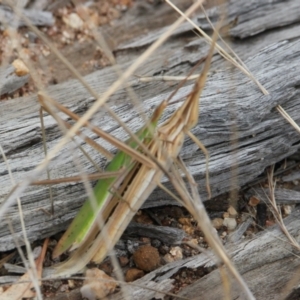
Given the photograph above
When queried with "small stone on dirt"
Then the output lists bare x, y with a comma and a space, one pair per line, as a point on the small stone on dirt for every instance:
253, 201
71, 283
226, 215
73, 20
97, 285
230, 223
133, 274
174, 254
146, 258
20, 67
217, 223
168, 258
287, 209
232, 211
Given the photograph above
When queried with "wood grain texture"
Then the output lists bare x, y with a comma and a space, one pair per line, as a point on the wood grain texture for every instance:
282, 196
167, 235
239, 126
267, 263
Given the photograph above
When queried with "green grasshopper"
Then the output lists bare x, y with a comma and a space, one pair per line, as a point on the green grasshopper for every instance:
135, 185
86, 220
132, 187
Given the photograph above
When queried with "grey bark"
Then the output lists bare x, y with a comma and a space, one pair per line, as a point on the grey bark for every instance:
239, 126
36, 17
267, 263
167, 235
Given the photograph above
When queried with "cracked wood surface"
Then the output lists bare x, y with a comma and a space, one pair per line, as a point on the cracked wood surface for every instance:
239, 126
268, 263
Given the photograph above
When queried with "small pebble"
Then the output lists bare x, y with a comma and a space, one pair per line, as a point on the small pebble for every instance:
73, 20
226, 215
287, 209
232, 211
71, 283
146, 258
97, 284
253, 201
230, 223
168, 258
20, 67
174, 254
217, 223
133, 274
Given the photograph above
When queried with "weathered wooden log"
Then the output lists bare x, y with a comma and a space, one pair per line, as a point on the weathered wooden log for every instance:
239, 126
268, 263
